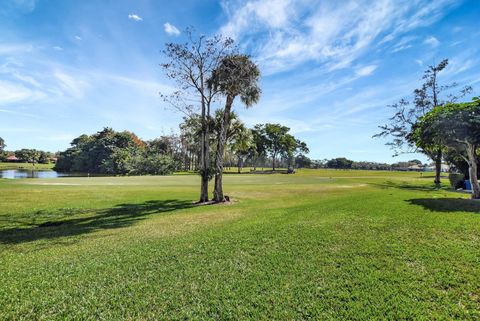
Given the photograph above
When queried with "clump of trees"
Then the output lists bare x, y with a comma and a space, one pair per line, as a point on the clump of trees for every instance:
454, 127
340, 163
191, 66
208, 71
33, 156
119, 153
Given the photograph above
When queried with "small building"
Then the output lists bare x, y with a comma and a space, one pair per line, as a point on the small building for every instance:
12, 158
416, 168
444, 168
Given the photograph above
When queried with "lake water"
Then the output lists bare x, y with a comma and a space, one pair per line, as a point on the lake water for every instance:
27, 173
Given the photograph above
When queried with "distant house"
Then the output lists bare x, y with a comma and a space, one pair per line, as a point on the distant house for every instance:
53, 159
12, 158
445, 168
416, 168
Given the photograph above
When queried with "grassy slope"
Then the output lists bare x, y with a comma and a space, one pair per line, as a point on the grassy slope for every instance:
9, 165
317, 244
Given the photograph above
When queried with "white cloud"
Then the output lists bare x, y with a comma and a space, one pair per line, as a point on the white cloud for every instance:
70, 86
14, 48
432, 41
135, 17
366, 71
78, 37
273, 13
57, 48
171, 29
13, 93
283, 34
403, 44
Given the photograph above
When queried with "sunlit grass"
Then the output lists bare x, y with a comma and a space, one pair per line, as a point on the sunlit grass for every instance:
319, 244
11, 165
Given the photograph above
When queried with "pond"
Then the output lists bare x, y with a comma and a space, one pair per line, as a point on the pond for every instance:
28, 173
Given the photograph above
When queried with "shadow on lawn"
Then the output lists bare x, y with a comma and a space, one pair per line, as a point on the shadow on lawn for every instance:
407, 186
118, 216
447, 204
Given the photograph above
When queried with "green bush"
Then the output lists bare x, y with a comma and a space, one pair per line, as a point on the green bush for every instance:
456, 180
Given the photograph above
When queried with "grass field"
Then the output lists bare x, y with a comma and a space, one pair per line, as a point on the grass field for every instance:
10, 165
320, 244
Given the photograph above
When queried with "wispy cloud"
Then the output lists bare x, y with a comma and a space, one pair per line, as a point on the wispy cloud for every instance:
135, 17
171, 29
283, 34
403, 44
78, 37
14, 48
366, 70
431, 41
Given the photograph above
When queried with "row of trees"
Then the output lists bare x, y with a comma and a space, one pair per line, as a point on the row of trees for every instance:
434, 123
123, 153
344, 163
26, 155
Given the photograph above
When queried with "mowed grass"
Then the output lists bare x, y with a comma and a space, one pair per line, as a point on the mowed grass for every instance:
11, 165
319, 244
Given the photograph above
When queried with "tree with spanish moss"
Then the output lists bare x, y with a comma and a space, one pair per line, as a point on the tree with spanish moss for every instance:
406, 113
191, 65
455, 126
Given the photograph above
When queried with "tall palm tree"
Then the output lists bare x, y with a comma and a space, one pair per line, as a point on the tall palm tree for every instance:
235, 76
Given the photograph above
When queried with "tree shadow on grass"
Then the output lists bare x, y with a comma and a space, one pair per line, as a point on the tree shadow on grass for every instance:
84, 221
408, 186
447, 204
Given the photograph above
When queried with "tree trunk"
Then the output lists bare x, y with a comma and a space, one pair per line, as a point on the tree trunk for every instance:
473, 171
438, 167
240, 164
273, 161
204, 159
222, 139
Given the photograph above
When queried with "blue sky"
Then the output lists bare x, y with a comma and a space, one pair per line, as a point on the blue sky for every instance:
329, 68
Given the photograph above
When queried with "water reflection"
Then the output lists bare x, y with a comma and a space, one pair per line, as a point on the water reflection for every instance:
28, 173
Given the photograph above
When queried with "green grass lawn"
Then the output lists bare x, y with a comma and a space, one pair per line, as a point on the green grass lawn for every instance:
319, 244
10, 165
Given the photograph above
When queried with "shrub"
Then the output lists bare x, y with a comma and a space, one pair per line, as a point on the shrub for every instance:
456, 180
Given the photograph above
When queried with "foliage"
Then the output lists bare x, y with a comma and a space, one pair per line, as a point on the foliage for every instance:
302, 161
340, 163
277, 141
152, 164
407, 113
191, 66
365, 165
457, 127
456, 180
28, 155
119, 153
236, 75
2, 145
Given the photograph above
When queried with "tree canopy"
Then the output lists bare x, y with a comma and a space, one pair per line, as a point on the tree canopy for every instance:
455, 126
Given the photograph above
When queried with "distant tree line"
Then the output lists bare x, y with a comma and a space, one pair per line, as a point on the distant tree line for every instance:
123, 153
26, 155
